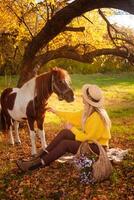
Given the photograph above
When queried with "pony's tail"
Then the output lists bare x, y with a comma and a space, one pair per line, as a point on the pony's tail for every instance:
3, 121
3, 112
3, 124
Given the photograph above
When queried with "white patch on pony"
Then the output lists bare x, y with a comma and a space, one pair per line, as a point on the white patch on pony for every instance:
11, 138
42, 138
16, 129
32, 137
25, 94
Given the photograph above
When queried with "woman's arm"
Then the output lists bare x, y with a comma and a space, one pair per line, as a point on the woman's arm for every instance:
80, 135
71, 117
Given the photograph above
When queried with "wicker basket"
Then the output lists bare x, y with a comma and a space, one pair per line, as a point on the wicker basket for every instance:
102, 168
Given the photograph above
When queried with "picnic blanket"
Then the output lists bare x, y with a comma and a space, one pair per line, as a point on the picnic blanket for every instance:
116, 155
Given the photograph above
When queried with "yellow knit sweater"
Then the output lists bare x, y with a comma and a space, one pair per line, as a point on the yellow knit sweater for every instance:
94, 127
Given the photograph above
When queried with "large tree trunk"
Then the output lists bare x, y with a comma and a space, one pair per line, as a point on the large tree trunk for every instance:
57, 24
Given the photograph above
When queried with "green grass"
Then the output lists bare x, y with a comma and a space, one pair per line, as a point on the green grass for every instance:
115, 86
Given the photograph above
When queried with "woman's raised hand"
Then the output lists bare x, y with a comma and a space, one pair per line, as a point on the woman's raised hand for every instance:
68, 125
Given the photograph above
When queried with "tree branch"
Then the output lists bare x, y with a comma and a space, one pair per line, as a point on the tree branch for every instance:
125, 40
71, 52
115, 39
87, 19
109, 27
64, 16
57, 24
74, 29
21, 20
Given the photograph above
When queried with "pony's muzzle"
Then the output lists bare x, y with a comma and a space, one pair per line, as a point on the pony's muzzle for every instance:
69, 98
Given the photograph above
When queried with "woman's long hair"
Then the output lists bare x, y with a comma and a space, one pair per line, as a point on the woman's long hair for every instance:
88, 110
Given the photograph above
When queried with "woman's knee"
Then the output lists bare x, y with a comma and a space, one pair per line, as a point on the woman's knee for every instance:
64, 144
66, 134
69, 146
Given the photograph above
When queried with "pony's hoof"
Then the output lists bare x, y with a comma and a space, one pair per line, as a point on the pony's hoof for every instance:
18, 143
11, 144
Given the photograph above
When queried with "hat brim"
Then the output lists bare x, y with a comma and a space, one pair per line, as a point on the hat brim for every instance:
92, 103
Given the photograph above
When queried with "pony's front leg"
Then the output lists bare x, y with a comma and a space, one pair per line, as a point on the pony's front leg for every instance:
11, 138
32, 136
41, 133
16, 128
42, 138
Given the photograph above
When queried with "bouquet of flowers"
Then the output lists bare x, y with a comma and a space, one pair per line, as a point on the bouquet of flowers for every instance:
84, 165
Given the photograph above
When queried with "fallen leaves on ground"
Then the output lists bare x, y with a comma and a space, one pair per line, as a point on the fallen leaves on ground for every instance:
60, 181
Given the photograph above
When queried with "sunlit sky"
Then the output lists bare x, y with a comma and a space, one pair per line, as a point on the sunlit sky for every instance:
125, 20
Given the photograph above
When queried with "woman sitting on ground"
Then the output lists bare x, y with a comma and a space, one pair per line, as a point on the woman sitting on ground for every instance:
92, 123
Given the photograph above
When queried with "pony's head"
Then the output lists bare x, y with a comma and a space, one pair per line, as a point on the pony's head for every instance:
61, 84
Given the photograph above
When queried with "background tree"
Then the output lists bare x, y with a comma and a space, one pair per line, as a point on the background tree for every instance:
63, 34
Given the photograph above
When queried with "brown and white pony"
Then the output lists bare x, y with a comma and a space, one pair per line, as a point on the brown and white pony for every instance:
29, 102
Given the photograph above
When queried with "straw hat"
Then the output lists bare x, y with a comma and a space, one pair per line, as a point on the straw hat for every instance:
93, 95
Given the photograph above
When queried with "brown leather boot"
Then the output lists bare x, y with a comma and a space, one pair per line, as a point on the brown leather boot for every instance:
41, 153
30, 165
